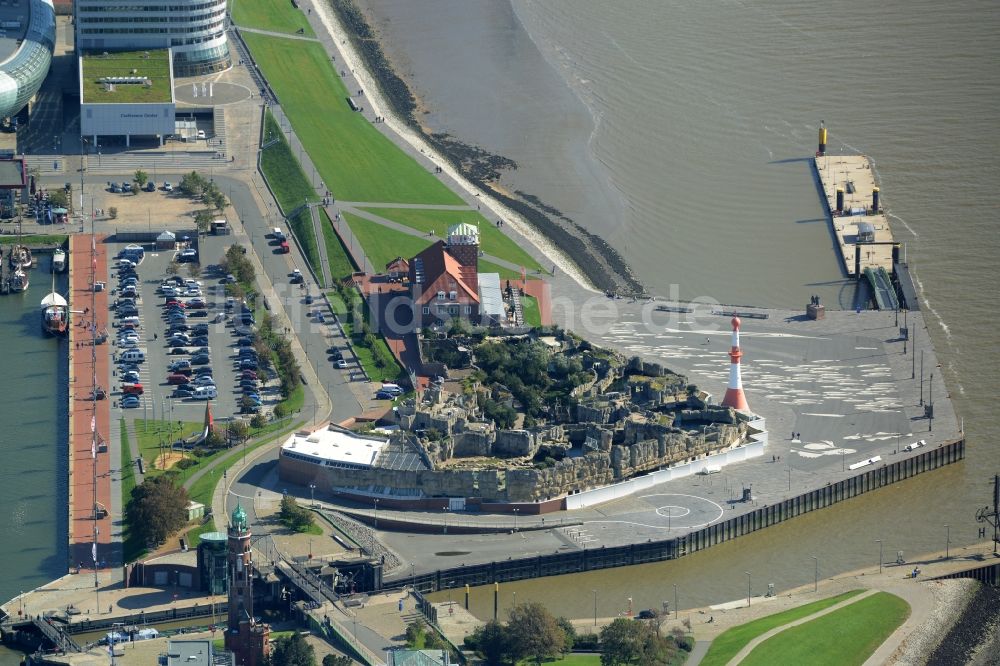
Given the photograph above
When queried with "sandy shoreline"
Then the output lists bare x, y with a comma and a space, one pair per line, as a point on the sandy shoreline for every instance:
375, 99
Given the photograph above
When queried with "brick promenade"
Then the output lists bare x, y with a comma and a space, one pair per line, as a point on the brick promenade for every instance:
86, 363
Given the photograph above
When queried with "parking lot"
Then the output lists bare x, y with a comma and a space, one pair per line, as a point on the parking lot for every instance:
159, 399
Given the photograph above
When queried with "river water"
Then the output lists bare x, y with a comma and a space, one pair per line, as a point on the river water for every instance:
680, 132
33, 476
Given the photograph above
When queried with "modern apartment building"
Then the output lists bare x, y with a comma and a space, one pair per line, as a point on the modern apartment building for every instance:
195, 30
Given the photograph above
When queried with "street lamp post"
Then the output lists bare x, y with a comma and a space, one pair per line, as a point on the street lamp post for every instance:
748, 588
879, 555
947, 541
515, 520
815, 573
376, 513
677, 610
312, 494
595, 607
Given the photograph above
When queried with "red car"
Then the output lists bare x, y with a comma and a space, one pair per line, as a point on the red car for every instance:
249, 374
177, 378
175, 303
132, 389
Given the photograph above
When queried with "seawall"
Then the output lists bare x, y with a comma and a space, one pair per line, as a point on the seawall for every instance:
701, 539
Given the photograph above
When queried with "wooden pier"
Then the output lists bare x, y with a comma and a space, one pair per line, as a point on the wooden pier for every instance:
853, 175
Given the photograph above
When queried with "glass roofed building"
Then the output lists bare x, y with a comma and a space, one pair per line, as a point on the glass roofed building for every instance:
27, 37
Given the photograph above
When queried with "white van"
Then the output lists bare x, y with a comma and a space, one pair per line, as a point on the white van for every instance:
395, 389
205, 393
133, 356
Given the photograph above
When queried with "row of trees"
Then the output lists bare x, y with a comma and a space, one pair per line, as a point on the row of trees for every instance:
531, 632
236, 263
357, 317
197, 186
271, 344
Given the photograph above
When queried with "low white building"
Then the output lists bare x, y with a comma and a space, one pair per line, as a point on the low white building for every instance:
334, 447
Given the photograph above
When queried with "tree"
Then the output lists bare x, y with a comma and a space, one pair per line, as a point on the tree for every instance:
59, 199
173, 268
621, 642
258, 421
533, 632
157, 508
203, 219
336, 660
237, 432
192, 184
294, 516
194, 270
569, 631
141, 177
292, 650
134, 189
113, 212
490, 641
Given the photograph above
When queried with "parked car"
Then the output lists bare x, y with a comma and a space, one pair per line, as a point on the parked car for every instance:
167, 187
308, 299
204, 380
197, 303
296, 277
182, 392
200, 329
253, 383
150, 186
131, 377
200, 359
253, 399
244, 341
130, 402
204, 370
384, 395
178, 328
180, 364
187, 255
341, 363
177, 351
132, 389
205, 393
200, 340
248, 364
177, 378
248, 374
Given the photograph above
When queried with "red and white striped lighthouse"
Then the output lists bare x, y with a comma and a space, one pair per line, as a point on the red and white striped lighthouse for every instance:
734, 391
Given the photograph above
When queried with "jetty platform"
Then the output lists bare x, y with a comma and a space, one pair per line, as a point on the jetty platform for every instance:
854, 175
89, 366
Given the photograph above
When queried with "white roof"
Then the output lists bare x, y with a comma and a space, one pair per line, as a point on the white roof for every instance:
335, 446
167, 235
490, 295
53, 299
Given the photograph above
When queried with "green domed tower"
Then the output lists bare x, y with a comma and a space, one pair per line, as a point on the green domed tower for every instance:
238, 520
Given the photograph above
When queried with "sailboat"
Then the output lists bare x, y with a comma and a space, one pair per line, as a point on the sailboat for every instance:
19, 281
20, 257
55, 312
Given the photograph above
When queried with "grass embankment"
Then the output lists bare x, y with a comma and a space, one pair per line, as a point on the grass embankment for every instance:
132, 546
728, 643
271, 15
491, 240
291, 188
341, 264
37, 239
356, 318
381, 244
356, 162
529, 307
842, 638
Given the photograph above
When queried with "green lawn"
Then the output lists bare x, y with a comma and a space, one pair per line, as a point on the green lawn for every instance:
505, 273
381, 244
341, 264
532, 316
491, 240
842, 638
391, 372
272, 15
132, 547
728, 643
356, 162
284, 173
152, 433
33, 240
154, 65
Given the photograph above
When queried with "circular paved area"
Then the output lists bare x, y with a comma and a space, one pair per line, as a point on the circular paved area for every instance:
661, 512
207, 93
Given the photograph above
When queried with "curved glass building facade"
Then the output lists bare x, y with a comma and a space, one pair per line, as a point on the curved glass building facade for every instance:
194, 29
26, 66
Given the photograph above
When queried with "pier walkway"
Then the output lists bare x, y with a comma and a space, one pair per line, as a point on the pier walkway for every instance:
89, 468
855, 176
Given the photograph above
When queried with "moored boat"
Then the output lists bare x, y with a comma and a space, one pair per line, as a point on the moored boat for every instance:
19, 281
20, 257
55, 314
58, 260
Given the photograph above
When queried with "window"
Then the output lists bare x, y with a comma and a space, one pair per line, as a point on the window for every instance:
453, 310
426, 310
452, 295
440, 295
468, 309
